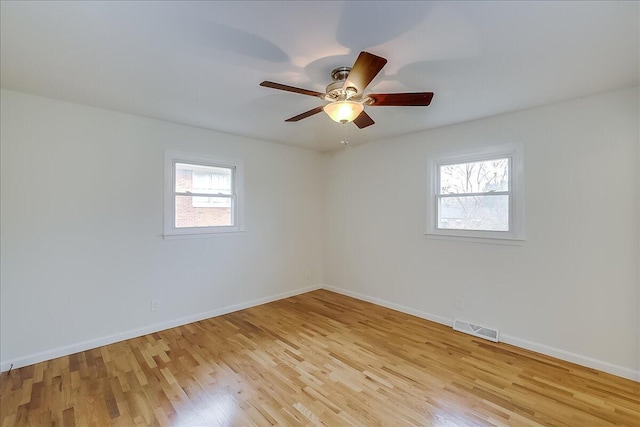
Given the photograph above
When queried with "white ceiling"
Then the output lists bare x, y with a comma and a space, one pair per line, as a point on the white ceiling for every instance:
200, 63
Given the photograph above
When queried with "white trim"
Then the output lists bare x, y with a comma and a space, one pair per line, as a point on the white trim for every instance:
393, 306
494, 241
493, 193
568, 356
220, 233
586, 361
516, 191
30, 359
578, 359
170, 231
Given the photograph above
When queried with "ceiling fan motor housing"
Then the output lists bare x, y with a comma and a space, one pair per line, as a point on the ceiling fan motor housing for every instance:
335, 90
340, 74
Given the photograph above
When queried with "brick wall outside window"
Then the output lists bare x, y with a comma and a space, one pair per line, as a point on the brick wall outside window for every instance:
189, 216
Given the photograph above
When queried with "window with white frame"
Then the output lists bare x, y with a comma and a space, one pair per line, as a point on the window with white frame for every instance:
477, 195
203, 195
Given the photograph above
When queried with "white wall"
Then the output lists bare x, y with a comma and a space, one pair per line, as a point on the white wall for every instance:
82, 252
81, 223
571, 290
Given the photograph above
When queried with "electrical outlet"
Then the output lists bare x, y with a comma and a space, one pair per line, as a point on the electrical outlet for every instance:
155, 304
459, 303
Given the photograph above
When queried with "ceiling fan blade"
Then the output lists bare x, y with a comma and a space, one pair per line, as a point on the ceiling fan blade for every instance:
304, 115
293, 89
365, 69
363, 120
408, 99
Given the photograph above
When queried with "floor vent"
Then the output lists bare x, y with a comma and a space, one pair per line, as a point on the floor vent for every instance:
476, 330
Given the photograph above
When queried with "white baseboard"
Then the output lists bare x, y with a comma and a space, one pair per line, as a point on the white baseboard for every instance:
589, 362
578, 359
568, 356
391, 305
133, 333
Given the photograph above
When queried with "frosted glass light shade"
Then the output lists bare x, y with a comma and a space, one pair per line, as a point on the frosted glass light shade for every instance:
343, 111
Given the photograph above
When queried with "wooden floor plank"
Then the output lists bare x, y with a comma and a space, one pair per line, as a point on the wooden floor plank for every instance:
314, 359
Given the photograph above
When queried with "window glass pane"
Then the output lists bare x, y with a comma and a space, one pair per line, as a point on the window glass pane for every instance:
190, 215
203, 179
475, 177
483, 213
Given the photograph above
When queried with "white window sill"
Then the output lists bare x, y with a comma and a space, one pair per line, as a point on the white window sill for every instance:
175, 236
490, 240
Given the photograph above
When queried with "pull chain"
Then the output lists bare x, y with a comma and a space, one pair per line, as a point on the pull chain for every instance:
344, 137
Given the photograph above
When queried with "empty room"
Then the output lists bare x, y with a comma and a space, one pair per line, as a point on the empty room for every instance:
349, 213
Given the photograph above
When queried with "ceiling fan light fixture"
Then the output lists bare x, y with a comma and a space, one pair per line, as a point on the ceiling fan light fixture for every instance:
343, 111
346, 94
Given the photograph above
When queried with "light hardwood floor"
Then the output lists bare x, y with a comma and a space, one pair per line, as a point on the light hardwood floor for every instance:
314, 359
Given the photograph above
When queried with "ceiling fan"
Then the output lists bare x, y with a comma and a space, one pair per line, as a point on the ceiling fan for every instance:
346, 93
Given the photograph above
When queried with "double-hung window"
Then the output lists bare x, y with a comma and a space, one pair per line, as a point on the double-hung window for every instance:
477, 195
203, 195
